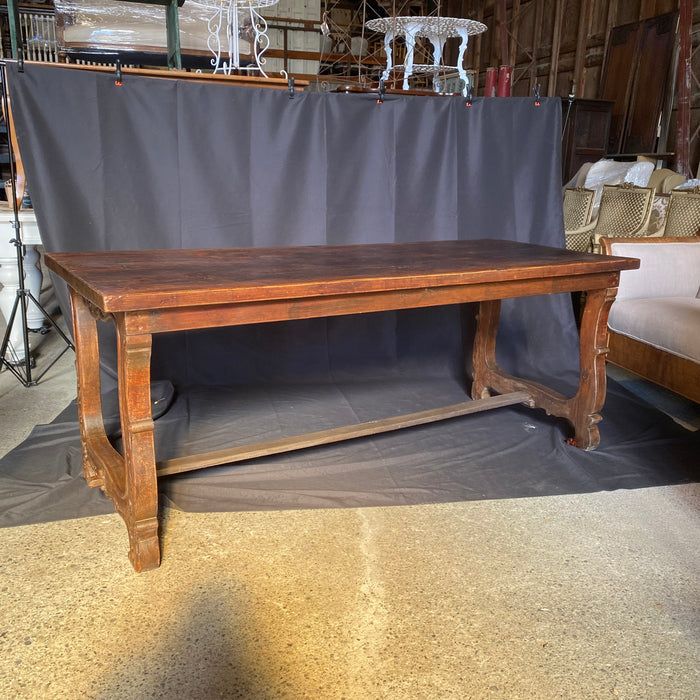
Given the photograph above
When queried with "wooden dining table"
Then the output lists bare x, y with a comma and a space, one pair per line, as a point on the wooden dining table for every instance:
143, 292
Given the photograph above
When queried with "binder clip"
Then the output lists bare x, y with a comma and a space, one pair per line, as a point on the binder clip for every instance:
382, 92
470, 95
536, 92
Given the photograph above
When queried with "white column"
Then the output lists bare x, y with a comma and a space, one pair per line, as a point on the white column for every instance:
32, 281
464, 34
410, 35
388, 38
9, 277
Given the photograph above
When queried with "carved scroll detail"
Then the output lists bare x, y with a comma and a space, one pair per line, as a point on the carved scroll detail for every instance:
97, 313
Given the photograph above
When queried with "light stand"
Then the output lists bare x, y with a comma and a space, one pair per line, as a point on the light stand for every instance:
23, 369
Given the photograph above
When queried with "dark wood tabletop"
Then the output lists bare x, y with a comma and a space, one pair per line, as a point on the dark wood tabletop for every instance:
131, 280
155, 291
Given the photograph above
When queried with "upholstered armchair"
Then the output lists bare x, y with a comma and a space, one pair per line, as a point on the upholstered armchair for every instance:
683, 214
654, 324
624, 213
578, 209
663, 180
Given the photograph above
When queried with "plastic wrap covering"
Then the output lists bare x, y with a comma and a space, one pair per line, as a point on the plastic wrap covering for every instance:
105, 25
612, 172
689, 184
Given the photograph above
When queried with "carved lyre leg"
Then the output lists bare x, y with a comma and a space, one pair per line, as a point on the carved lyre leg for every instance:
586, 405
140, 506
484, 357
583, 409
87, 367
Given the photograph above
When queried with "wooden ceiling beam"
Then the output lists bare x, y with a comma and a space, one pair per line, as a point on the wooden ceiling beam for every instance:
685, 22
477, 50
556, 43
647, 9
585, 20
610, 22
515, 26
500, 8
536, 42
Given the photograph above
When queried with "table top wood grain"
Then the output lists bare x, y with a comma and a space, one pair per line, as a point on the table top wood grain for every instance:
130, 280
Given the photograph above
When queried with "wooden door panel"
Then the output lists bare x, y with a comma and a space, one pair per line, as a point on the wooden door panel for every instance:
636, 77
618, 78
658, 36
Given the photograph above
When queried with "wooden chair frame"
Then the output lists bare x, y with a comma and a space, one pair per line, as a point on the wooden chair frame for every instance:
678, 374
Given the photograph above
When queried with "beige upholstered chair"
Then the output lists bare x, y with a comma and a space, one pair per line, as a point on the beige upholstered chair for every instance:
673, 180
582, 174
656, 179
683, 214
578, 208
654, 324
664, 180
624, 213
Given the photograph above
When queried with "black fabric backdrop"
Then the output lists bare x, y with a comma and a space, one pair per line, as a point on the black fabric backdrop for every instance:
160, 163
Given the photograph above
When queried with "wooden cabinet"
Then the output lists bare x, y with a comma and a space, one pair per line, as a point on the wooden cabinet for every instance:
586, 132
638, 77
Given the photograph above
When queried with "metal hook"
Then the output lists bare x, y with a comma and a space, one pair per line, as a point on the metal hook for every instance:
570, 104
536, 92
382, 92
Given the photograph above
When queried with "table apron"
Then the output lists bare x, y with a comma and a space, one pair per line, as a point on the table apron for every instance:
170, 319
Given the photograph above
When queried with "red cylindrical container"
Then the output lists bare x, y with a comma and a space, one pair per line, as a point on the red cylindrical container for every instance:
491, 79
504, 75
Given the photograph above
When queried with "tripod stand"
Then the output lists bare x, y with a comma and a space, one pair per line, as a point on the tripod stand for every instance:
20, 361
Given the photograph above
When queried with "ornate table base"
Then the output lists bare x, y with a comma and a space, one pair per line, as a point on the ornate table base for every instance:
143, 293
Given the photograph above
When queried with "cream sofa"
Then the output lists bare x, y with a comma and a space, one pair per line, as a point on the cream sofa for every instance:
654, 323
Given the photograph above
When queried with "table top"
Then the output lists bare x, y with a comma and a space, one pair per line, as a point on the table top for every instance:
132, 280
218, 4
426, 26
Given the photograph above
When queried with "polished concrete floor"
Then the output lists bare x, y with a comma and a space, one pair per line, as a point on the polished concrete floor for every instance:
587, 596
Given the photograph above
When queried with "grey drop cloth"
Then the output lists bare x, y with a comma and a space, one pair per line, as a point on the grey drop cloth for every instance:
160, 163
505, 453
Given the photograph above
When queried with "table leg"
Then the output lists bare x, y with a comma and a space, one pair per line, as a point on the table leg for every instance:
410, 38
485, 365
140, 504
583, 409
464, 40
590, 397
388, 38
87, 368
128, 479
